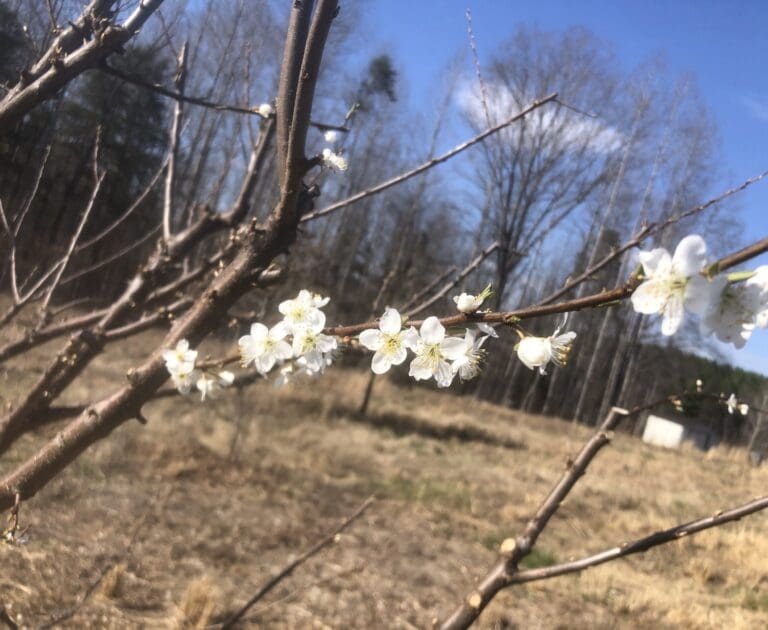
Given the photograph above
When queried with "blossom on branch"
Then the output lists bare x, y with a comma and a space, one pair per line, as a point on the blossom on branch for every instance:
265, 110
311, 345
185, 379
303, 310
264, 347
333, 160
181, 358
537, 352
467, 303
207, 384
433, 351
331, 136
390, 342
733, 405
470, 362
673, 283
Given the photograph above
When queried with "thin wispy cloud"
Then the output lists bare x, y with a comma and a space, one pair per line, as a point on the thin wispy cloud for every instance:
757, 108
576, 130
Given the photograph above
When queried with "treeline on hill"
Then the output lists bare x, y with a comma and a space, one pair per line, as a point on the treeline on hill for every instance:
555, 192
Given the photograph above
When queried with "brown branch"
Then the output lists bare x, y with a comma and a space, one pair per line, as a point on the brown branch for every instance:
643, 544
505, 572
423, 293
645, 232
474, 264
295, 42
173, 149
290, 567
257, 247
514, 550
60, 66
432, 162
596, 300
202, 102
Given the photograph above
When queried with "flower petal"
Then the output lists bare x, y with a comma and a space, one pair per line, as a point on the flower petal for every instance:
390, 323
432, 331
655, 261
259, 331
701, 294
453, 347
420, 369
673, 315
690, 255
381, 362
371, 339
650, 297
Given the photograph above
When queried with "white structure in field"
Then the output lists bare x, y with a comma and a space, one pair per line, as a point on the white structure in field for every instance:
671, 434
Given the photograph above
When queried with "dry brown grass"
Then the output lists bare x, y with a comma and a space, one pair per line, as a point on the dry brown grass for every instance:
257, 476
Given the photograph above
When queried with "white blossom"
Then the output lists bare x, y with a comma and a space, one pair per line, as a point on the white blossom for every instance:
181, 358
467, 303
265, 110
312, 345
433, 352
180, 363
389, 342
673, 283
303, 310
537, 352
185, 379
207, 384
264, 347
699, 385
334, 160
331, 136
733, 405
469, 364
740, 307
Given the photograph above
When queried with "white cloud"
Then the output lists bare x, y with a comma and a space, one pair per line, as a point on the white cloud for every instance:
758, 109
577, 130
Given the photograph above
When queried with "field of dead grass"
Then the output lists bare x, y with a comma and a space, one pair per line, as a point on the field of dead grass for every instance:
178, 522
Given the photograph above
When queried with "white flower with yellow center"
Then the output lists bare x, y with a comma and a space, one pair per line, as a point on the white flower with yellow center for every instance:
390, 342
303, 310
265, 347
674, 283
208, 384
470, 363
433, 352
311, 345
181, 358
184, 379
537, 352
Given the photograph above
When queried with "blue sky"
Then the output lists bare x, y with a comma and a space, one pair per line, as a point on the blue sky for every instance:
722, 44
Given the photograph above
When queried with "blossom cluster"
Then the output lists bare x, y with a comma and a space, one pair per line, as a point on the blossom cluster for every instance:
729, 308
298, 346
180, 363
331, 158
303, 322
436, 355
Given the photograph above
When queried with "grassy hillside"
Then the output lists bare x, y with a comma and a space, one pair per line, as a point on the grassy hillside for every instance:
184, 518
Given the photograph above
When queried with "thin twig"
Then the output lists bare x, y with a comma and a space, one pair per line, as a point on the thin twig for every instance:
398, 179
202, 102
643, 544
474, 264
290, 567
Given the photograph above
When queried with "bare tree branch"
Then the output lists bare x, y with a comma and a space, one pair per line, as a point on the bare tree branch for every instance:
285, 572
343, 203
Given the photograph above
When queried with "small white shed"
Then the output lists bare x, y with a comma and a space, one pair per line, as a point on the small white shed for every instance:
671, 433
